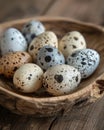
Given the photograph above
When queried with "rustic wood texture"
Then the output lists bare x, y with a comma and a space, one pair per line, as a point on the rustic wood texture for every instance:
16, 9
88, 91
84, 10
90, 117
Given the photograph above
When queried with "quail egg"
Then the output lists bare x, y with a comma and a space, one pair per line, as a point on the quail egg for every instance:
86, 61
61, 79
72, 42
28, 78
49, 56
10, 62
32, 29
46, 38
11, 41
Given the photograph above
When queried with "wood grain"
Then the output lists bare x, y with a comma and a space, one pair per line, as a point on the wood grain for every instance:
88, 118
88, 91
84, 10
16, 9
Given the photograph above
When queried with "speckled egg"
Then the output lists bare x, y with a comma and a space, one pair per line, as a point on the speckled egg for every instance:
49, 56
86, 61
28, 78
12, 40
32, 29
46, 38
72, 42
10, 62
61, 79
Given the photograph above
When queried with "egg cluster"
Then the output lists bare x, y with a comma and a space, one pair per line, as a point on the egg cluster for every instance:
35, 58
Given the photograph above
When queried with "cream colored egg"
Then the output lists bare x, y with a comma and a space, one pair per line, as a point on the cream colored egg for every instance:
46, 38
72, 42
28, 78
61, 79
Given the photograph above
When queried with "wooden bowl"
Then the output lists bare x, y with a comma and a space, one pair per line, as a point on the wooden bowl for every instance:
89, 89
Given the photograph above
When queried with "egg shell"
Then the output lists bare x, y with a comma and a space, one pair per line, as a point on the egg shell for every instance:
12, 41
32, 29
49, 56
61, 79
28, 78
46, 38
10, 62
72, 42
86, 61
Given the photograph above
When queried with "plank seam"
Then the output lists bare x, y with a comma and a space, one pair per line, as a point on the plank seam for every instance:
52, 123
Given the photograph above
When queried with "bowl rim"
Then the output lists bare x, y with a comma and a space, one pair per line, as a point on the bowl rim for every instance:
52, 18
72, 96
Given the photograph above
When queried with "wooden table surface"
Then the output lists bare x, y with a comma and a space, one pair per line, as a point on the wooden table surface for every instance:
88, 118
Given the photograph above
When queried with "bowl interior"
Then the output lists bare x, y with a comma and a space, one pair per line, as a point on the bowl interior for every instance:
94, 38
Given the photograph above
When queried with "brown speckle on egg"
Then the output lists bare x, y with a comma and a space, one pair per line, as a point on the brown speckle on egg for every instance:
76, 38
15, 68
31, 47
28, 78
74, 46
58, 78
61, 79
46, 38
23, 54
71, 42
10, 62
65, 47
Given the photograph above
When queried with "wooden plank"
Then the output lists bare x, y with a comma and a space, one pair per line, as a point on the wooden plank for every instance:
31, 123
88, 118
16, 9
85, 10
10, 121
